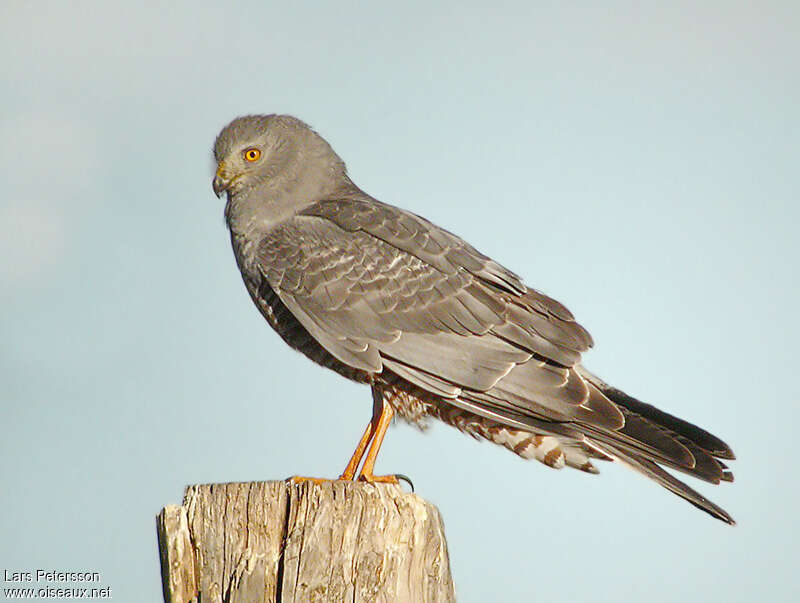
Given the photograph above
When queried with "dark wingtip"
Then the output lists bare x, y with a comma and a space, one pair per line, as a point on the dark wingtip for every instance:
727, 519
698, 500
701, 502
699, 436
713, 510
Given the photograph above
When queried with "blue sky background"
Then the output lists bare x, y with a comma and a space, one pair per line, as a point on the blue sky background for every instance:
637, 161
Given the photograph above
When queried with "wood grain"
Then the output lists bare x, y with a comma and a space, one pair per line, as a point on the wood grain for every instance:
279, 542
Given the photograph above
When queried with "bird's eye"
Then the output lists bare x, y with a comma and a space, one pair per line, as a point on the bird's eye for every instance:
252, 154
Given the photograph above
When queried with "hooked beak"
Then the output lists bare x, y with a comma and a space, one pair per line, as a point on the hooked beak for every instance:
221, 182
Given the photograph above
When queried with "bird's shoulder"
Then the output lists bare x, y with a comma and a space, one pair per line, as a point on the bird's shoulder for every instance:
317, 262
365, 280
339, 236
355, 211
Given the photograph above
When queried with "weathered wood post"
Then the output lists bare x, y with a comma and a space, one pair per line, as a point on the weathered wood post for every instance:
280, 542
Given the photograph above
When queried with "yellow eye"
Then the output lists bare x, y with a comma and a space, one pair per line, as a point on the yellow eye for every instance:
252, 154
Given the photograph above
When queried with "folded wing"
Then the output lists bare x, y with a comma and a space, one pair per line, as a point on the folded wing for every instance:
382, 289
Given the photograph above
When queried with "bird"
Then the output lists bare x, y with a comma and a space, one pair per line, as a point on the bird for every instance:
434, 327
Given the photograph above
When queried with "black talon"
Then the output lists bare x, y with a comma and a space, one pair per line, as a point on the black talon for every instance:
406, 479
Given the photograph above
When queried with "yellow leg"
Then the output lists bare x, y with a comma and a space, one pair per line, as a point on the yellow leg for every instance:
367, 475
373, 437
355, 460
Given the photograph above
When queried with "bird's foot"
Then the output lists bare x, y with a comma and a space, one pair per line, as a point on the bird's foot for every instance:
378, 479
299, 479
386, 479
368, 478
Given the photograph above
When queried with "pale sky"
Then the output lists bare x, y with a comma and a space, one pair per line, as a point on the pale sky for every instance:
638, 163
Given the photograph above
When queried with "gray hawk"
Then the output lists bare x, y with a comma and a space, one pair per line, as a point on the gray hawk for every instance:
436, 328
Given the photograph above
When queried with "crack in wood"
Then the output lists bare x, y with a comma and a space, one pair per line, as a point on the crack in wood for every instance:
324, 542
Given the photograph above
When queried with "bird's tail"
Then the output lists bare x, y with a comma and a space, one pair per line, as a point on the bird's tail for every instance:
651, 437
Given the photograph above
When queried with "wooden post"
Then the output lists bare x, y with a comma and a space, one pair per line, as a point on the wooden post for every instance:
279, 542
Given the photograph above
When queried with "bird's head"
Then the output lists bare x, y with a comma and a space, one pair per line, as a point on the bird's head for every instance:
273, 156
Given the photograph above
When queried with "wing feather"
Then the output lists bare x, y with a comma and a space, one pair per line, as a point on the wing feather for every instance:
446, 328
382, 289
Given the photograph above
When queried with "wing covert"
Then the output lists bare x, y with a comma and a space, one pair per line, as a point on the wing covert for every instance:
444, 317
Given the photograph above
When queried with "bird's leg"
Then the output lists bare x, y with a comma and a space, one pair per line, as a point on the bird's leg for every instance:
384, 419
373, 436
355, 460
